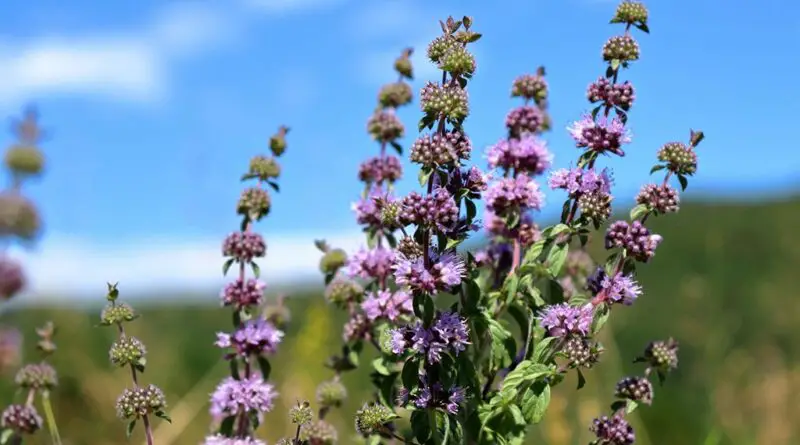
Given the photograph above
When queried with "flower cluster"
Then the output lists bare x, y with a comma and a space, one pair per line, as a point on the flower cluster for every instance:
240, 401
447, 333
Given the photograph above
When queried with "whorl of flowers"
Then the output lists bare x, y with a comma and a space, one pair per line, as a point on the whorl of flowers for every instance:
240, 400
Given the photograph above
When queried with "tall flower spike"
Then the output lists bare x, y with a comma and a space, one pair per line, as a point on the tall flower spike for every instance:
139, 402
240, 401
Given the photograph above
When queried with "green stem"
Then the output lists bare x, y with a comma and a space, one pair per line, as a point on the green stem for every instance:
51, 418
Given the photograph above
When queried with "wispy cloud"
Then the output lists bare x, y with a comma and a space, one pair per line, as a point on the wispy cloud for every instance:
65, 270
132, 65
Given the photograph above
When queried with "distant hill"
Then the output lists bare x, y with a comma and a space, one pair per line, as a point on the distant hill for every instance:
725, 283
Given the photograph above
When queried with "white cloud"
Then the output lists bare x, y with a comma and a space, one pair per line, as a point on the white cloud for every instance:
123, 68
132, 65
76, 270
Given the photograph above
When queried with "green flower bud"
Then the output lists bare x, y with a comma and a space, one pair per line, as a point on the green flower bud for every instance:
331, 393
332, 261
372, 418
24, 160
318, 433
116, 313
301, 414
138, 402
127, 351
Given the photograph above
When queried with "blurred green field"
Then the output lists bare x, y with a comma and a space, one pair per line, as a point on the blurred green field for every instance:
725, 283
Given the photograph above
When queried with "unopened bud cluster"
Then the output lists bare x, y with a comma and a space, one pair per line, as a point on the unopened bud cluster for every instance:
127, 351
679, 158
449, 100
622, 48
136, 403
22, 419
37, 376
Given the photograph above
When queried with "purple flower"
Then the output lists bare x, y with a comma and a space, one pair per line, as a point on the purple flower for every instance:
371, 263
241, 293
562, 319
387, 304
218, 439
524, 120
601, 135
577, 181
528, 154
449, 332
635, 238
446, 271
613, 431
254, 337
437, 209
434, 396
369, 210
457, 395
233, 397
520, 192
244, 246
386, 168
619, 289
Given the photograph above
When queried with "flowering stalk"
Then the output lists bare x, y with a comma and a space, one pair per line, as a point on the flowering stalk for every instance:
19, 221
140, 401
240, 401
373, 305
431, 383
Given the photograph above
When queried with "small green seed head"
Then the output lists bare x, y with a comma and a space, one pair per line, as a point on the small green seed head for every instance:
127, 351
331, 394
116, 313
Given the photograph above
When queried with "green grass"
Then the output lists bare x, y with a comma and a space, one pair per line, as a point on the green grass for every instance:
724, 283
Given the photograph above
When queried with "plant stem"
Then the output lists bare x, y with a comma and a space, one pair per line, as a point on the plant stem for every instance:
51, 418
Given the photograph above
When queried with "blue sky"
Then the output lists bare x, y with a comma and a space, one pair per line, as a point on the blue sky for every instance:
155, 108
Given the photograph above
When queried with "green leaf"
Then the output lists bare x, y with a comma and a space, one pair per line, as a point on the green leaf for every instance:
638, 211
510, 286
397, 147
256, 269
129, 429
420, 425
556, 258
474, 37
516, 414
424, 175
581, 378
226, 427
554, 231
472, 209
6, 435
163, 416
657, 167
601, 315
540, 351
537, 405
615, 64
452, 243
532, 255
227, 265
643, 27
380, 366
266, 367
684, 182
410, 374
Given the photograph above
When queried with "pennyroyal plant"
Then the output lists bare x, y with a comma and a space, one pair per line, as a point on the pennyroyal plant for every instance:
451, 368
